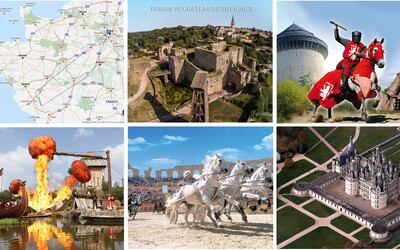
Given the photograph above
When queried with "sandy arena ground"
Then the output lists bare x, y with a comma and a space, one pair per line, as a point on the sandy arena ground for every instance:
153, 231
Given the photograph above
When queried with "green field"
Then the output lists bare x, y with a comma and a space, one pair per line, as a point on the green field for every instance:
340, 137
280, 203
286, 190
221, 111
323, 131
314, 175
288, 174
371, 136
296, 199
322, 237
319, 209
291, 222
363, 235
345, 224
311, 138
320, 154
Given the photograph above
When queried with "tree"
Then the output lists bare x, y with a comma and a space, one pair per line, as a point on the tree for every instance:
306, 81
288, 163
291, 99
118, 192
6, 196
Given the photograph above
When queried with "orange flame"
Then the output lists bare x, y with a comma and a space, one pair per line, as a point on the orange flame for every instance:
43, 232
41, 149
16, 187
80, 171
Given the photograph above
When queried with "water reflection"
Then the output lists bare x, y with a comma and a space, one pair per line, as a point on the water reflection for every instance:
50, 233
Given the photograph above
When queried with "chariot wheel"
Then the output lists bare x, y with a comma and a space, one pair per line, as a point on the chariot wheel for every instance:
200, 213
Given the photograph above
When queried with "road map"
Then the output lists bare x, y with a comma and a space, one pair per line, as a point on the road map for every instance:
62, 62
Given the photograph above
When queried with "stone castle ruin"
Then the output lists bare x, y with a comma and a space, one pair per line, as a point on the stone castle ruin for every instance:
217, 66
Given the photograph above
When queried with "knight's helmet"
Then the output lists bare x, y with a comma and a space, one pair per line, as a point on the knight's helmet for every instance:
356, 36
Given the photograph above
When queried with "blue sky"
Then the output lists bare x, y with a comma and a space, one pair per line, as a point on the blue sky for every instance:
142, 18
17, 162
166, 147
373, 19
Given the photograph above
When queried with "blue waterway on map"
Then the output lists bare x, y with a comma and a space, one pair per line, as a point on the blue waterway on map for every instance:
10, 112
45, 9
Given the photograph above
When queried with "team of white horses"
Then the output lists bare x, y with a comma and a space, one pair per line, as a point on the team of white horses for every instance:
219, 191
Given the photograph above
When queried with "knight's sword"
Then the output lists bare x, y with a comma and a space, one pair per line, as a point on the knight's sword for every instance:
338, 25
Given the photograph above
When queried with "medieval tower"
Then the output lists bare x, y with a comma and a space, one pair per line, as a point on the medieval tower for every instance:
300, 53
233, 24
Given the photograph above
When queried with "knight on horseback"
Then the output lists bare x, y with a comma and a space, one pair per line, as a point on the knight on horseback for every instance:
345, 83
352, 54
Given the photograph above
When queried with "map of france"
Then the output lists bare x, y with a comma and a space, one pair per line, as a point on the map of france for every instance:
69, 69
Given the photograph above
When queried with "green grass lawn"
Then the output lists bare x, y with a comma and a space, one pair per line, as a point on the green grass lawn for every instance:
319, 209
286, 190
340, 137
291, 222
323, 131
280, 203
370, 136
288, 174
390, 149
311, 138
320, 153
329, 166
221, 111
395, 158
345, 224
363, 235
297, 199
314, 175
322, 237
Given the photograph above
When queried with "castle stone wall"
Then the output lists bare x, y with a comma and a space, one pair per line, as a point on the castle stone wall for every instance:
293, 64
205, 59
218, 47
236, 54
214, 82
176, 68
190, 70
239, 78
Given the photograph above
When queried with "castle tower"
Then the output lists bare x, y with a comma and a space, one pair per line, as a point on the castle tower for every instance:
300, 53
352, 182
233, 24
379, 195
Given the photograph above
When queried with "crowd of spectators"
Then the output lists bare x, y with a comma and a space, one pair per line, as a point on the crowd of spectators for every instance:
149, 195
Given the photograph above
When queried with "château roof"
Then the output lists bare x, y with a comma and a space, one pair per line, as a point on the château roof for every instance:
349, 152
296, 37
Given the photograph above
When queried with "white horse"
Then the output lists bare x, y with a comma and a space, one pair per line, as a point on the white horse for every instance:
259, 185
199, 193
231, 185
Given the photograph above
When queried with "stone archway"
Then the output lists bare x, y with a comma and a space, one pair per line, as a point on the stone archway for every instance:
134, 171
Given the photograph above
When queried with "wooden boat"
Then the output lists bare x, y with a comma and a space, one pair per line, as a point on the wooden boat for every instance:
101, 217
17, 208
